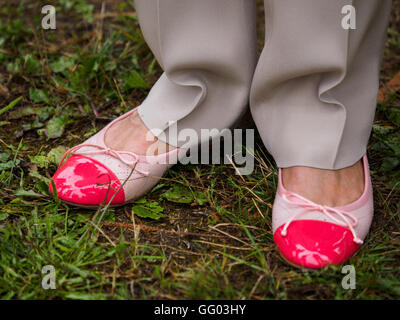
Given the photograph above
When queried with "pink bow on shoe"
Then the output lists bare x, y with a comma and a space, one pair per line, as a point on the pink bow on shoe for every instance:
110, 152
347, 219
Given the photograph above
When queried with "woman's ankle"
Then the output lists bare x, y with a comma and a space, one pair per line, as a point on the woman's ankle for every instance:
132, 135
326, 187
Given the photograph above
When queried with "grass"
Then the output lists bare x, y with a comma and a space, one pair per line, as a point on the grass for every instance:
203, 232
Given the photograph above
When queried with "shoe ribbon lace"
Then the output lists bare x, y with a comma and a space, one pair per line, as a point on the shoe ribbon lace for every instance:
119, 155
341, 217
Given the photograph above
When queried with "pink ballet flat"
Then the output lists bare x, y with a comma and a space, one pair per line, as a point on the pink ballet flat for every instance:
95, 174
313, 236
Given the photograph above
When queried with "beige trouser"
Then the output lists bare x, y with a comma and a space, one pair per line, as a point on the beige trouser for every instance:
312, 92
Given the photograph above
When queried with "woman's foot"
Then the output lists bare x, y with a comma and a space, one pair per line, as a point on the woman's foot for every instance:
332, 188
131, 134
321, 217
113, 166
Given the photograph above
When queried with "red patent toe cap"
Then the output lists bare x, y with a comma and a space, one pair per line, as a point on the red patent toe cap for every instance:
315, 244
85, 181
